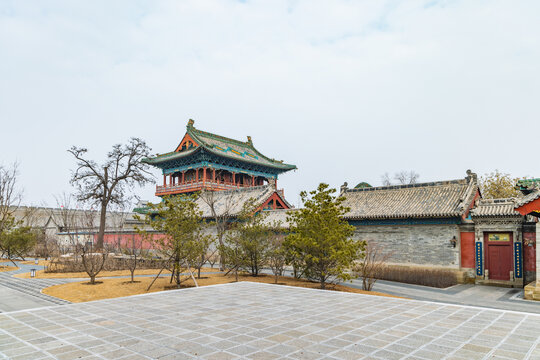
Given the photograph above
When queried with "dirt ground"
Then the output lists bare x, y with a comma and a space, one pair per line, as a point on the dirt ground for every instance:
76, 275
111, 288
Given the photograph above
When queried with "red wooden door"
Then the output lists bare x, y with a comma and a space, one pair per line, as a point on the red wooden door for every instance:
499, 255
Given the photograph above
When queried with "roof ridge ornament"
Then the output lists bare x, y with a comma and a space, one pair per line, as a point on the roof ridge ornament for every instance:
471, 176
190, 123
249, 140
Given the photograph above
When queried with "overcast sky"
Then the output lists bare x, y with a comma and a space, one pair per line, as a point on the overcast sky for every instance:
345, 90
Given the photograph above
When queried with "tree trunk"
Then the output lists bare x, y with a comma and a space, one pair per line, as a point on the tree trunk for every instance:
221, 256
132, 273
199, 269
92, 279
102, 219
10, 259
178, 277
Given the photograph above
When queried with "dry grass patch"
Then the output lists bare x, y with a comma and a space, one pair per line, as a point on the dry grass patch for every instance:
111, 288
41, 262
77, 275
7, 268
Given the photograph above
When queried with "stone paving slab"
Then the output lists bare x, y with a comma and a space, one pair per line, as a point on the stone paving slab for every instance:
263, 321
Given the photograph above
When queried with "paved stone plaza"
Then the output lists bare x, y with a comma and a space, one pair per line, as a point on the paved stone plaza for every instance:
260, 321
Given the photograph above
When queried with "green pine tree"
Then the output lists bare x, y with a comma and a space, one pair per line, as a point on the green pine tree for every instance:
320, 240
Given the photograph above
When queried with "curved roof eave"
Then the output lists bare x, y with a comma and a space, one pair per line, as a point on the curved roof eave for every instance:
274, 163
176, 155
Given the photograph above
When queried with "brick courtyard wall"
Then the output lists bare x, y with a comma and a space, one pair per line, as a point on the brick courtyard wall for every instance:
415, 244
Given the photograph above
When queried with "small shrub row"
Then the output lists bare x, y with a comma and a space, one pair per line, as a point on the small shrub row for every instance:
440, 278
112, 263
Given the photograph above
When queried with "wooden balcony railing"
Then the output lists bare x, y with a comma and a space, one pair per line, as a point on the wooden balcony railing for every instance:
195, 186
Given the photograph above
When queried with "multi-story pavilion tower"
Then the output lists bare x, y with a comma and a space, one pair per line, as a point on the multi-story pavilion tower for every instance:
204, 160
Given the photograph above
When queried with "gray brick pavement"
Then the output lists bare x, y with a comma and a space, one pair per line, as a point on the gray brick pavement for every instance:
262, 321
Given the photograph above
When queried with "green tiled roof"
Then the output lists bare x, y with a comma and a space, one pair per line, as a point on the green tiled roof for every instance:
222, 146
528, 184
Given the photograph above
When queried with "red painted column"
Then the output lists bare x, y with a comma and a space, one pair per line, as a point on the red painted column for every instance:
213, 175
173, 180
204, 176
197, 175
183, 177
164, 180
234, 178
252, 180
170, 179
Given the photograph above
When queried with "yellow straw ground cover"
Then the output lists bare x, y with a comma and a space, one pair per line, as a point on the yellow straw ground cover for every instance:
76, 275
111, 288
41, 262
7, 268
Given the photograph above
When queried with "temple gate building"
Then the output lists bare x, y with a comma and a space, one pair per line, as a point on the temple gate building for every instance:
447, 224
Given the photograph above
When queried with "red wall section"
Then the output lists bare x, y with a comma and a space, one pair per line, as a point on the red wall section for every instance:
467, 250
126, 239
529, 252
530, 207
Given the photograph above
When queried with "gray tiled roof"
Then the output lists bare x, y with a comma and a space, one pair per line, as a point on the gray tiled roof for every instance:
231, 202
279, 216
435, 199
528, 198
495, 207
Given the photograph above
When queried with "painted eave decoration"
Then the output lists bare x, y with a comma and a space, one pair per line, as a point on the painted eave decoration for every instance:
219, 146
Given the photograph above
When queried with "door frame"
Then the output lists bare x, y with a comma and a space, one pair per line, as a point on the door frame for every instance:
488, 243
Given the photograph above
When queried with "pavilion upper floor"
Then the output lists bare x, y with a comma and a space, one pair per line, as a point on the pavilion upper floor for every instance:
197, 179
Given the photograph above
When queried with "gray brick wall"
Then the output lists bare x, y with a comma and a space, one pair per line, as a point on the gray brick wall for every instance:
415, 244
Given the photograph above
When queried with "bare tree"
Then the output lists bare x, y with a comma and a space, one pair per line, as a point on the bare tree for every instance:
32, 217
107, 183
68, 220
214, 258
10, 195
220, 213
402, 178
385, 179
12, 241
372, 266
209, 254
93, 261
406, 177
134, 249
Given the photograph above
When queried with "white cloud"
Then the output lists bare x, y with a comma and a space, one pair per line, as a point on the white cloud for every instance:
346, 90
